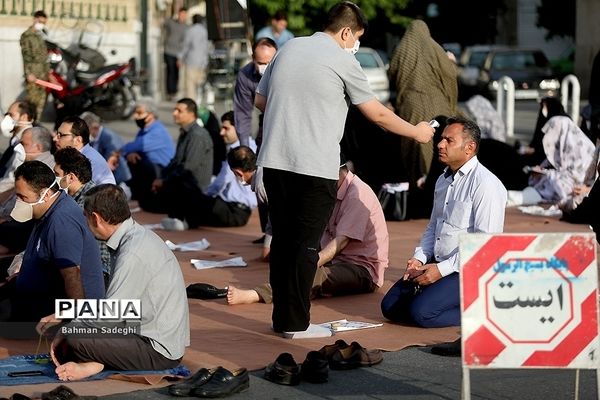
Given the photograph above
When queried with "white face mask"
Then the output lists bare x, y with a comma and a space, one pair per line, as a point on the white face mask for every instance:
545, 111
23, 211
60, 186
262, 68
354, 49
7, 125
38, 26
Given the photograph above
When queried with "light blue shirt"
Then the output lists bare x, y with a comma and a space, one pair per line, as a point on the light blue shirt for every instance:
470, 201
101, 173
280, 40
228, 188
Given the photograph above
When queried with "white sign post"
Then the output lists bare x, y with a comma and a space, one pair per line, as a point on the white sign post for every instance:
529, 301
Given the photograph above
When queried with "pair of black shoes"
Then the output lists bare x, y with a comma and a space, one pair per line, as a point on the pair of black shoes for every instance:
285, 370
212, 383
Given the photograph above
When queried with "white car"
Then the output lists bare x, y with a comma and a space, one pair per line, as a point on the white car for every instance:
376, 72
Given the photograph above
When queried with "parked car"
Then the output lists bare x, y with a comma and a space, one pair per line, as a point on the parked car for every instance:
376, 71
529, 69
469, 66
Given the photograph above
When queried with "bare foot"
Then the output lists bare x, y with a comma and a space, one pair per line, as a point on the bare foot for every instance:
240, 296
72, 371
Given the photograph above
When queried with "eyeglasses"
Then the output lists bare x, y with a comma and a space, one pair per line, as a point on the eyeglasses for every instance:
61, 135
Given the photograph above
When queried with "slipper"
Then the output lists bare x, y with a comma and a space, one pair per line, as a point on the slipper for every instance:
205, 291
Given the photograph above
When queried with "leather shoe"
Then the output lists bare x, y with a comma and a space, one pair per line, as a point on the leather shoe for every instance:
223, 383
283, 371
204, 291
328, 350
183, 389
451, 349
18, 396
315, 368
64, 393
355, 356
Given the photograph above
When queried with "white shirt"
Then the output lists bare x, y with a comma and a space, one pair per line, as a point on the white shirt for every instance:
472, 200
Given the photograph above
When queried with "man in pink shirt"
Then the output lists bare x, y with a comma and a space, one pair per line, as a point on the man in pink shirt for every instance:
354, 247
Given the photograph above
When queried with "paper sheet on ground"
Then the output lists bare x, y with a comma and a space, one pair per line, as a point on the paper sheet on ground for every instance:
189, 246
230, 262
553, 211
342, 325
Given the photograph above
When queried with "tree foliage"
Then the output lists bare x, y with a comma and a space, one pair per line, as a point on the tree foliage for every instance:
308, 16
559, 20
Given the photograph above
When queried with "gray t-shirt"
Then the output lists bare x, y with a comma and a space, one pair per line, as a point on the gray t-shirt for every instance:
308, 85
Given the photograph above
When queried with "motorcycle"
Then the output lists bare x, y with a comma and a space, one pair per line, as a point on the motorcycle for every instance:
106, 90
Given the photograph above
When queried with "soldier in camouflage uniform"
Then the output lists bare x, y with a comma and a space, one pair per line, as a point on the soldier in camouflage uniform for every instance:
35, 61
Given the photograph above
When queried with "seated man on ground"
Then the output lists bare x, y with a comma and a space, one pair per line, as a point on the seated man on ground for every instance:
189, 173
354, 252
147, 155
143, 268
228, 201
74, 173
61, 260
468, 199
74, 132
106, 142
36, 142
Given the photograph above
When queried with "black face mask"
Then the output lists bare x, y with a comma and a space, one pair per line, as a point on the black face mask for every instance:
141, 123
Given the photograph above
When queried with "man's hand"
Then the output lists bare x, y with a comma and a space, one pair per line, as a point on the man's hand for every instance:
157, 185
581, 190
113, 161
412, 269
46, 323
57, 340
430, 274
31, 78
133, 158
424, 132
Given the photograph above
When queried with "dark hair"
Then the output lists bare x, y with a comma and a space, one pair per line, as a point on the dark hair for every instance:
37, 175
183, 9
264, 41
470, 129
242, 157
345, 14
28, 108
71, 161
279, 15
40, 14
108, 201
190, 105
228, 116
197, 19
78, 128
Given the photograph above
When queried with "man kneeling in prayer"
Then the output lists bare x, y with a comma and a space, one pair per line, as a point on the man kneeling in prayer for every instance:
143, 268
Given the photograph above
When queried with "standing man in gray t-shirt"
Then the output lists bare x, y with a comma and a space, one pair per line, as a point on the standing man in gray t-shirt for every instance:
174, 34
304, 94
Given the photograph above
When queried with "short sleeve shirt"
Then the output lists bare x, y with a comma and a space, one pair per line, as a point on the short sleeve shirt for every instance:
308, 86
60, 239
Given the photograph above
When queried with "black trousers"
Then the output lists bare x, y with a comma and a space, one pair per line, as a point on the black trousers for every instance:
172, 74
143, 173
131, 352
299, 207
186, 201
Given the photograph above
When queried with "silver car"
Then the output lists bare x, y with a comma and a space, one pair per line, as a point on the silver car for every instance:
376, 71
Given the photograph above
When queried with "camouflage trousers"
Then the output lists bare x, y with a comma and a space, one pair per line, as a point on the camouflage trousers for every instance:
37, 96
